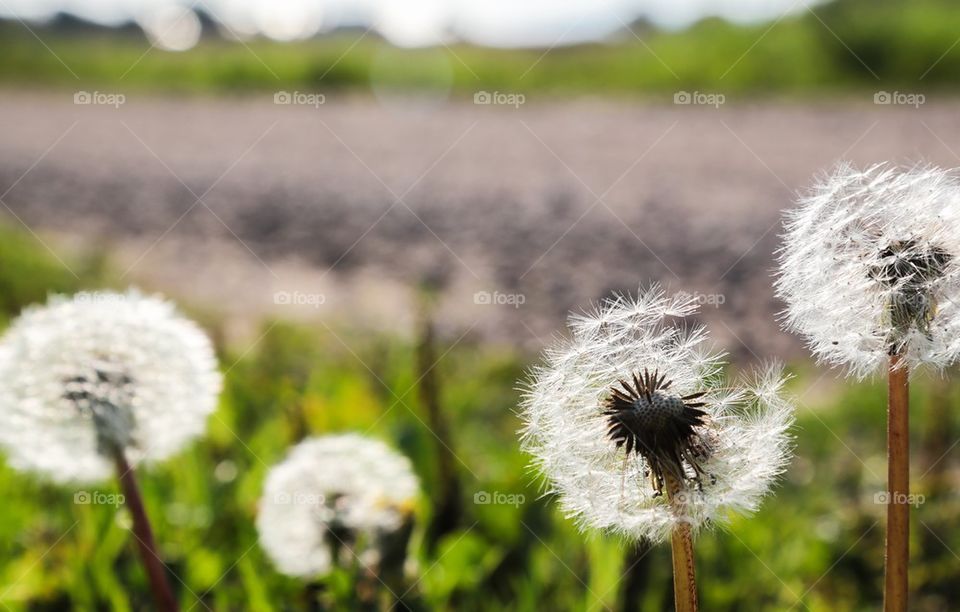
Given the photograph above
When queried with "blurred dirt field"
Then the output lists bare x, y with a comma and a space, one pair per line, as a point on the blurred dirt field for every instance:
516, 215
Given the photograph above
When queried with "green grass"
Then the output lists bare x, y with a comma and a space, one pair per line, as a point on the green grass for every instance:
849, 45
818, 541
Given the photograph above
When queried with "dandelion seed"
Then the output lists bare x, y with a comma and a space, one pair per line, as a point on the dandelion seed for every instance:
658, 425
635, 432
90, 382
869, 274
869, 268
631, 385
86, 374
335, 499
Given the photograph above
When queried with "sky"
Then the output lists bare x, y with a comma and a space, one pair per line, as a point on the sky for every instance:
413, 23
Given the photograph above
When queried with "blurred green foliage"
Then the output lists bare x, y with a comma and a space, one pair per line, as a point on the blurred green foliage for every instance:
839, 46
817, 544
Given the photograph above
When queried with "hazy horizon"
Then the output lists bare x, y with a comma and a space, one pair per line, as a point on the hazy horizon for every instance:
411, 23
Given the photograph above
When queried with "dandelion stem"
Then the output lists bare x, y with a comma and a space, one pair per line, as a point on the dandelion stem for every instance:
684, 578
898, 488
156, 572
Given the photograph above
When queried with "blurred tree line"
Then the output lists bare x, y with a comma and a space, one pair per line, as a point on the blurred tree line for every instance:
838, 46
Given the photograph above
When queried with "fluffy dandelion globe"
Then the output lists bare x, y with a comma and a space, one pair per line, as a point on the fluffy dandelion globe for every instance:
631, 424
87, 375
869, 268
334, 493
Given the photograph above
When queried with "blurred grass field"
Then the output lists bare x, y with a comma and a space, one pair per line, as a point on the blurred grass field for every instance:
836, 47
816, 545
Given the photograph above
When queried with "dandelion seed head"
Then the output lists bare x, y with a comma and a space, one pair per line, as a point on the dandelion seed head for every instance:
330, 493
83, 375
631, 399
869, 267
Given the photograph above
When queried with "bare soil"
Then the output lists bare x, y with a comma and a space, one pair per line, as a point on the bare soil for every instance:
355, 203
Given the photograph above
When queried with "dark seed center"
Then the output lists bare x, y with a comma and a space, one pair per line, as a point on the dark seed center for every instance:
658, 412
905, 261
644, 418
105, 395
911, 269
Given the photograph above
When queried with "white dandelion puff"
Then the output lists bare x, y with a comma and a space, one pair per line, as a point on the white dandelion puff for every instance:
332, 493
85, 376
869, 268
631, 406
869, 274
